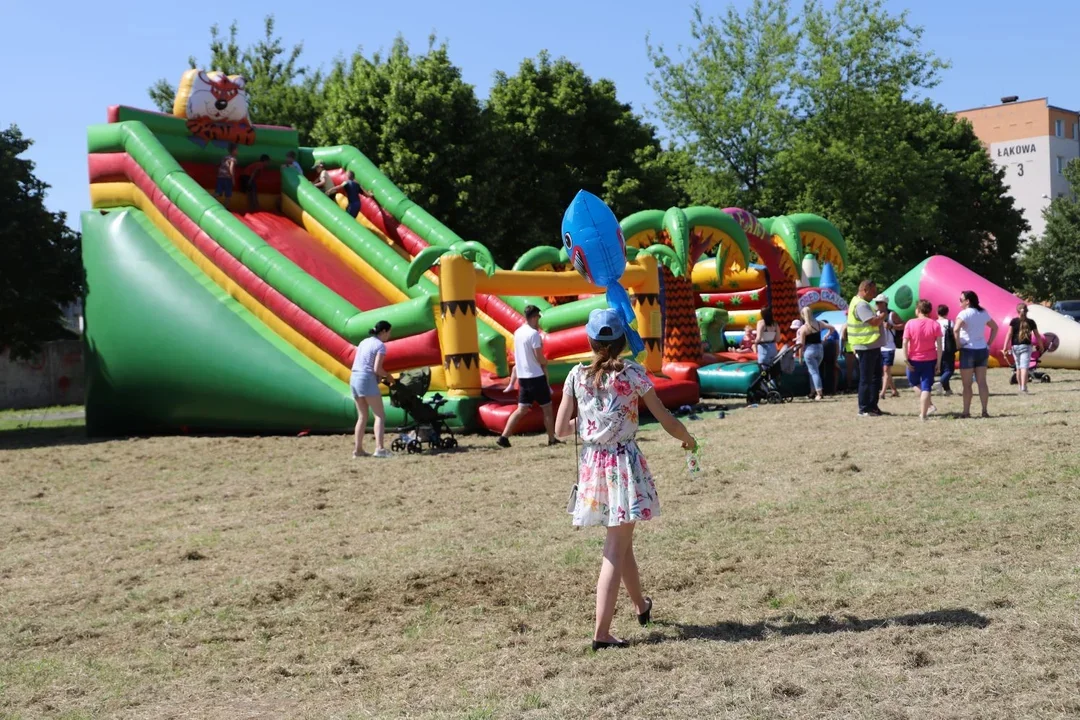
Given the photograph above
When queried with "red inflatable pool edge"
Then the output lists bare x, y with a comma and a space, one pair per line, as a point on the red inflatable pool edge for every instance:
493, 415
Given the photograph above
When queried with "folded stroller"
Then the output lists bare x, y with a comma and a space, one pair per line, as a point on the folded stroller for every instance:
767, 386
429, 425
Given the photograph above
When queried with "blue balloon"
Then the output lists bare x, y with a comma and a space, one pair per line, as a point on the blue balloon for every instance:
597, 250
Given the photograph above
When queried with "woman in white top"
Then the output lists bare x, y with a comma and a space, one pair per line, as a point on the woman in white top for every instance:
367, 370
970, 333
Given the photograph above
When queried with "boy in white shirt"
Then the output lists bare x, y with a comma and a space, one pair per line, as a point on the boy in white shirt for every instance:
530, 373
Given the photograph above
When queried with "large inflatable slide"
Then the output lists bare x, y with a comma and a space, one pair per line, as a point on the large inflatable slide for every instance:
243, 315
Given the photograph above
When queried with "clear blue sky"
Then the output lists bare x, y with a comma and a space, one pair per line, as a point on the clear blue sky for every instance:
67, 60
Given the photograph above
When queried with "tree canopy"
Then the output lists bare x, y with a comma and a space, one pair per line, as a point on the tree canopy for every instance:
820, 112
1052, 263
555, 131
42, 267
416, 118
783, 108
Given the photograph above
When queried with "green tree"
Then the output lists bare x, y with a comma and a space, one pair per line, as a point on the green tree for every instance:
819, 113
902, 180
555, 131
281, 91
42, 267
1051, 263
418, 121
730, 99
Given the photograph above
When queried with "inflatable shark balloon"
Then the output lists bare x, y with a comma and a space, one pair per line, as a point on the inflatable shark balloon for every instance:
595, 245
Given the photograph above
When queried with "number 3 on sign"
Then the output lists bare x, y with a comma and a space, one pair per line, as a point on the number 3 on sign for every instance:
1020, 169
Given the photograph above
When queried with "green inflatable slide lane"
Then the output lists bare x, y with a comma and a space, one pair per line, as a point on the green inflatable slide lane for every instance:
213, 365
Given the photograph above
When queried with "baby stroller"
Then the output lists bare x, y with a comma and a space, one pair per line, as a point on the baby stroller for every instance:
1033, 369
429, 426
767, 386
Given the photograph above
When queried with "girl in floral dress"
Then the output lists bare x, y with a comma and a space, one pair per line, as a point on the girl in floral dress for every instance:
615, 488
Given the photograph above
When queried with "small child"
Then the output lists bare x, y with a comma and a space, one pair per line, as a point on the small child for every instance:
614, 487
291, 162
226, 176
748, 338
253, 171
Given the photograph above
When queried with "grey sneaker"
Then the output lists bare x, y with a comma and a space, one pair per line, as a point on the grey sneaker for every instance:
382, 453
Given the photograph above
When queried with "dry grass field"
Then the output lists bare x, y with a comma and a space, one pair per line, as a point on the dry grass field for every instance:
821, 566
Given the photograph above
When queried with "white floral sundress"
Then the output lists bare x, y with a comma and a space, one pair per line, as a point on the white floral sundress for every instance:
614, 482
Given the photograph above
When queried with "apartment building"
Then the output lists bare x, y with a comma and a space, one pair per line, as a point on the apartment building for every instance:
1032, 140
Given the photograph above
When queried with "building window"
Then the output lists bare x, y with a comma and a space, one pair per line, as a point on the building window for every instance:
1059, 128
1076, 131
1060, 165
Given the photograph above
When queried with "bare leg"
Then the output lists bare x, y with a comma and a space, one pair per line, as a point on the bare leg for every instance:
549, 421
607, 585
984, 389
377, 409
361, 425
631, 580
924, 404
965, 382
512, 421
1022, 377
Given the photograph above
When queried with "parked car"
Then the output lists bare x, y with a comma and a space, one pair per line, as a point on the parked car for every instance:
1068, 307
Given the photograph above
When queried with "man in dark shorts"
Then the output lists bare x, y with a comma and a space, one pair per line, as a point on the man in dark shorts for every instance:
530, 372
352, 191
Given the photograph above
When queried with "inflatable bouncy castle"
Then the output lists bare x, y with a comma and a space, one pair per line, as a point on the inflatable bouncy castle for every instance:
941, 280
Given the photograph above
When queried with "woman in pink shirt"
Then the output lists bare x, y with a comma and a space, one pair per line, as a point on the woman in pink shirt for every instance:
922, 350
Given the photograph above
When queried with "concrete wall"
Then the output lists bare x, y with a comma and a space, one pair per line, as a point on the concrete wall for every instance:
54, 377
1028, 166
1067, 150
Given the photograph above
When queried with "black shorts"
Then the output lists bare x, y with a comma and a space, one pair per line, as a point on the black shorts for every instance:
534, 390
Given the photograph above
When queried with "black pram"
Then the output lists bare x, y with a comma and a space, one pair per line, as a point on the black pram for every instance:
767, 385
429, 423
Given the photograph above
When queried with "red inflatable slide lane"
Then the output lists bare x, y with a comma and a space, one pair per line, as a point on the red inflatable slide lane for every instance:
312, 257
493, 415
491, 305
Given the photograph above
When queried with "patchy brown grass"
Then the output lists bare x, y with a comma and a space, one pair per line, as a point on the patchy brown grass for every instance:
821, 566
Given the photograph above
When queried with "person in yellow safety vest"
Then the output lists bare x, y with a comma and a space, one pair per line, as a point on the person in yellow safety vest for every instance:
864, 337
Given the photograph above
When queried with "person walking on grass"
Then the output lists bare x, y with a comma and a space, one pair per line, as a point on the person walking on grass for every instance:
1022, 330
948, 348
864, 336
367, 371
530, 375
614, 487
890, 325
813, 351
226, 176
922, 352
970, 333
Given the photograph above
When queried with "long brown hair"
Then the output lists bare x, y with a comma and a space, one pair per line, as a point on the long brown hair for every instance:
1023, 333
605, 359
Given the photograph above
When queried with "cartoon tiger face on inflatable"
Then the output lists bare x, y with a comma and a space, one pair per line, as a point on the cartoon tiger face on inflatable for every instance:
215, 106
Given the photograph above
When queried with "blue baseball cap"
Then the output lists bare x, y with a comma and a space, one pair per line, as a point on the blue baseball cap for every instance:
604, 325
